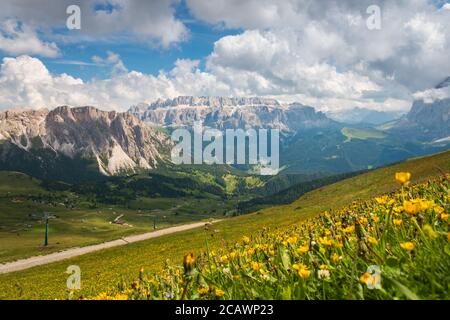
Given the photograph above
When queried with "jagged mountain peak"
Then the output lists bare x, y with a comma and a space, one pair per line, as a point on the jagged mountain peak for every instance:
212, 101
443, 84
115, 141
230, 112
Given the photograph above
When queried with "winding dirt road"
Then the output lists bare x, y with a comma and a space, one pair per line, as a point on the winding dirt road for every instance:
69, 253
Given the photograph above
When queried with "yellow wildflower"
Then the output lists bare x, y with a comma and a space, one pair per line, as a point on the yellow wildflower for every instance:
336, 258
292, 240
325, 241
382, 199
245, 239
349, 229
202, 291
407, 246
403, 178
372, 240
219, 293
303, 249
398, 222
365, 277
188, 262
439, 210
256, 266
302, 270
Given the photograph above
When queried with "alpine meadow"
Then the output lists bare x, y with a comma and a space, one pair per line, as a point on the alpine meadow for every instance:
259, 153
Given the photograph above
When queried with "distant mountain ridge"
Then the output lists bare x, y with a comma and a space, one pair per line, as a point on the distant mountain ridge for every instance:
115, 141
427, 121
363, 115
224, 113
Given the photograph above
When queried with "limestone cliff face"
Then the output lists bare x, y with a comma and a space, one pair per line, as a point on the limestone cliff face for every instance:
428, 120
225, 113
117, 141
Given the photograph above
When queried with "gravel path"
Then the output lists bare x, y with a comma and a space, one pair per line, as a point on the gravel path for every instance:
57, 256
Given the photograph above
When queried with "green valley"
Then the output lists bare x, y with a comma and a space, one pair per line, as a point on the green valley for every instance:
106, 268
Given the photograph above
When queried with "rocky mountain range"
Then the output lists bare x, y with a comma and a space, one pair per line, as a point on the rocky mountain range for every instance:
427, 120
78, 143
225, 113
115, 142
363, 115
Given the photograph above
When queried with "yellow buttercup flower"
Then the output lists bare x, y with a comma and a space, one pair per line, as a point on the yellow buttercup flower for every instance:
372, 240
417, 205
365, 277
325, 241
349, 229
408, 246
256, 266
336, 258
302, 270
368, 279
397, 222
202, 291
439, 210
219, 293
444, 216
292, 240
304, 273
382, 199
245, 239
303, 249
403, 178
188, 262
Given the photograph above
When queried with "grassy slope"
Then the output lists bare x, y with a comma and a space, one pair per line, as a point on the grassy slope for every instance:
106, 268
362, 134
22, 228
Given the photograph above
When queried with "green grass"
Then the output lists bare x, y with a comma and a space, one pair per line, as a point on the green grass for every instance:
17, 183
362, 134
328, 256
104, 269
23, 202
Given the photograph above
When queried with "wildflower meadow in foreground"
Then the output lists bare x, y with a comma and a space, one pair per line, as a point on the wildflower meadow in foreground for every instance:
395, 246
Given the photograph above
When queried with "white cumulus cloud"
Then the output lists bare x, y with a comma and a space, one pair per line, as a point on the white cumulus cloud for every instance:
17, 38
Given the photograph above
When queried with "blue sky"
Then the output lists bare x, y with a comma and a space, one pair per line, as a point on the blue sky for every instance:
137, 56
333, 55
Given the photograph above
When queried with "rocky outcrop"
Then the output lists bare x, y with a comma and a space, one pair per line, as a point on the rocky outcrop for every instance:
224, 113
118, 142
429, 119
